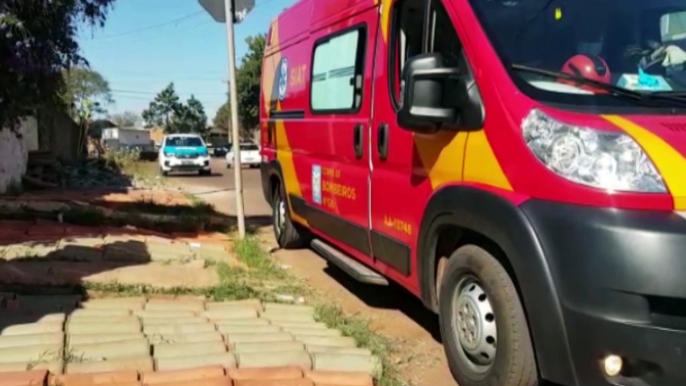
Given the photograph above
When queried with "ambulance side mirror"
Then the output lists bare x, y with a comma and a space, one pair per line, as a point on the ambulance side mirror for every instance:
438, 97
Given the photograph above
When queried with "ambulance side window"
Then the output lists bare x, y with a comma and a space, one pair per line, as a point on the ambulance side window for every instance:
337, 72
443, 38
407, 27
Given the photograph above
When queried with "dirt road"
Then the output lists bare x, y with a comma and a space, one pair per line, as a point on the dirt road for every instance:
418, 353
218, 189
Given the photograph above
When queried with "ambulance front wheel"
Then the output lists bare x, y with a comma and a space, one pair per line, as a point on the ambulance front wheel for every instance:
288, 234
483, 325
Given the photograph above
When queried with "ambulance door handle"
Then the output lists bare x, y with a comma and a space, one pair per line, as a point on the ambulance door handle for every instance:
357, 141
382, 141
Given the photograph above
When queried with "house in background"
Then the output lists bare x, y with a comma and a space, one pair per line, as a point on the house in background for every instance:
96, 127
217, 136
117, 137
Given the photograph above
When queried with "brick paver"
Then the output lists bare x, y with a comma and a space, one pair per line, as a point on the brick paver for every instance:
105, 197
160, 341
53, 253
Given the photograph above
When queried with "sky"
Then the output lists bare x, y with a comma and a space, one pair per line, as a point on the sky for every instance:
146, 44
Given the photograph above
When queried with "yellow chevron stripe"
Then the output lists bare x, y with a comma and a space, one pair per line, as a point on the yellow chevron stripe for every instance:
669, 162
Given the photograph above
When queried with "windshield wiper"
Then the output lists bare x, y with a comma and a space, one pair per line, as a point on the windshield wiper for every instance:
672, 94
612, 89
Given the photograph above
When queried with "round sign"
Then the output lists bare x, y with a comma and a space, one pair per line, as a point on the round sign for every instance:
283, 78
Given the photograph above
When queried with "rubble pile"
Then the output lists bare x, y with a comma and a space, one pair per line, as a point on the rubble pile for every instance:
47, 171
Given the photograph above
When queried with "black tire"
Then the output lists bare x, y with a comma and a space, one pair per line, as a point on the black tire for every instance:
163, 173
514, 363
290, 235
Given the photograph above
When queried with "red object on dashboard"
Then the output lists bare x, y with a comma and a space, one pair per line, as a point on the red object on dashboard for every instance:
590, 67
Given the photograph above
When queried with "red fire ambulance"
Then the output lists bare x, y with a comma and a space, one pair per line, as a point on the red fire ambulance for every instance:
519, 165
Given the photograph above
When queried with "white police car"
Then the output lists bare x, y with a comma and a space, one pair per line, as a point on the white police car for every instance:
184, 153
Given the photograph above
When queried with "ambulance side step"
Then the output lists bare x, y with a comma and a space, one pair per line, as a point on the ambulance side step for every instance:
352, 267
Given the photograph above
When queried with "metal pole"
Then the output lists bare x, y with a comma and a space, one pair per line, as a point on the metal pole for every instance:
240, 216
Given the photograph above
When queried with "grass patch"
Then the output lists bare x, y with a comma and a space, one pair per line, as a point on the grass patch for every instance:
195, 209
230, 288
45, 357
359, 329
257, 260
129, 163
251, 253
235, 283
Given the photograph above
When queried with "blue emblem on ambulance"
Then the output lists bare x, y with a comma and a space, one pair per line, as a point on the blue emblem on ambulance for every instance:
283, 78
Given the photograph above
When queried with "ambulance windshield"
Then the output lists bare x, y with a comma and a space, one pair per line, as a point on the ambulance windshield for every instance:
637, 45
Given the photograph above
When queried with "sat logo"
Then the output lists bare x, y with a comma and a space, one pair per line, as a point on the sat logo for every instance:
283, 78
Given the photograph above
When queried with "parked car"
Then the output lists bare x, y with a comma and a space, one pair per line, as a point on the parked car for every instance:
250, 155
184, 153
146, 152
220, 150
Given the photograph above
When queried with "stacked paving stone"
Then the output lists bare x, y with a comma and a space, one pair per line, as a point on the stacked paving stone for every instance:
166, 342
94, 244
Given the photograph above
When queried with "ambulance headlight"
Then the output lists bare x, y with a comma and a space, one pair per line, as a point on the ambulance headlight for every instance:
605, 160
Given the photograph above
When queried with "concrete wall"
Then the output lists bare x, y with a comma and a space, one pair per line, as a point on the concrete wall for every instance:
52, 130
58, 133
127, 136
134, 137
14, 152
30, 134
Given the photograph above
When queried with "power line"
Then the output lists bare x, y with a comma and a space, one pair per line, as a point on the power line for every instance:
150, 27
154, 26
178, 32
173, 78
131, 97
207, 102
154, 93
191, 15
163, 36
149, 73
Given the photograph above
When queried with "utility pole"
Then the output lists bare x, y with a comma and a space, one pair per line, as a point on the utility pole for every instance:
237, 168
224, 11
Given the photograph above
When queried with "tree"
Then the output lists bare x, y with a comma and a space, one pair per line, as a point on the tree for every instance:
161, 110
190, 118
86, 92
125, 119
174, 116
248, 83
196, 116
248, 89
37, 42
222, 119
